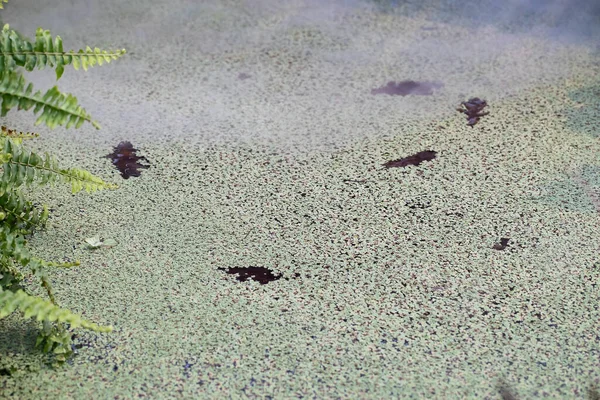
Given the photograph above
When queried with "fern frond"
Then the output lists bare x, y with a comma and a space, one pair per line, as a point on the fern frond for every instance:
12, 247
10, 276
82, 179
43, 310
16, 137
89, 58
57, 108
67, 264
55, 338
2, 1
18, 212
17, 51
24, 166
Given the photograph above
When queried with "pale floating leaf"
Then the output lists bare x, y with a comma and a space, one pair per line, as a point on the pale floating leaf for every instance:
109, 243
94, 242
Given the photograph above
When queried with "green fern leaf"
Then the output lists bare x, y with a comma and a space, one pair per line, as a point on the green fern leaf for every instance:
17, 51
57, 108
18, 212
43, 310
1, 5
13, 250
24, 166
12, 247
81, 179
10, 277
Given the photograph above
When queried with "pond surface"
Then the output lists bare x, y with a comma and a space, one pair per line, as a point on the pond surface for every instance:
297, 234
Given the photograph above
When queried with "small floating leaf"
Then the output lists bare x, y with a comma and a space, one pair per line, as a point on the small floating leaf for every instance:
109, 243
96, 242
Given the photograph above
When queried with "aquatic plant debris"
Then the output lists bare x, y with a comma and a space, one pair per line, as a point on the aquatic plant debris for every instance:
260, 274
126, 161
502, 245
404, 88
474, 110
415, 159
96, 242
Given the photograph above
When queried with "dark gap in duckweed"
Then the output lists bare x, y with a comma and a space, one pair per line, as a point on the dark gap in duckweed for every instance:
79, 343
473, 108
243, 76
415, 159
404, 88
262, 275
353, 181
5, 372
126, 161
502, 245
413, 205
505, 392
186, 368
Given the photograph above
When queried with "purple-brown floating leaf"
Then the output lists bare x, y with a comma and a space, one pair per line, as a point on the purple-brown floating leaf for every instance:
259, 274
124, 158
473, 108
404, 88
502, 245
415, 159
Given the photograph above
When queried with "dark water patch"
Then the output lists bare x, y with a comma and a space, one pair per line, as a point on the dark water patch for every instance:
506, 392
415, 159
296, 275
243, 76
260, 274
404, 88
473, 108
415, 204
186, 368
126, 161
354, 181
502, 245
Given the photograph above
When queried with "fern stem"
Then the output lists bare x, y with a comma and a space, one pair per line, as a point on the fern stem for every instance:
46, 285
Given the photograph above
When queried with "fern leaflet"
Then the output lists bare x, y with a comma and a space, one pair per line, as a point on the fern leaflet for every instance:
17, 51
57, 108
43, 310
24, 166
